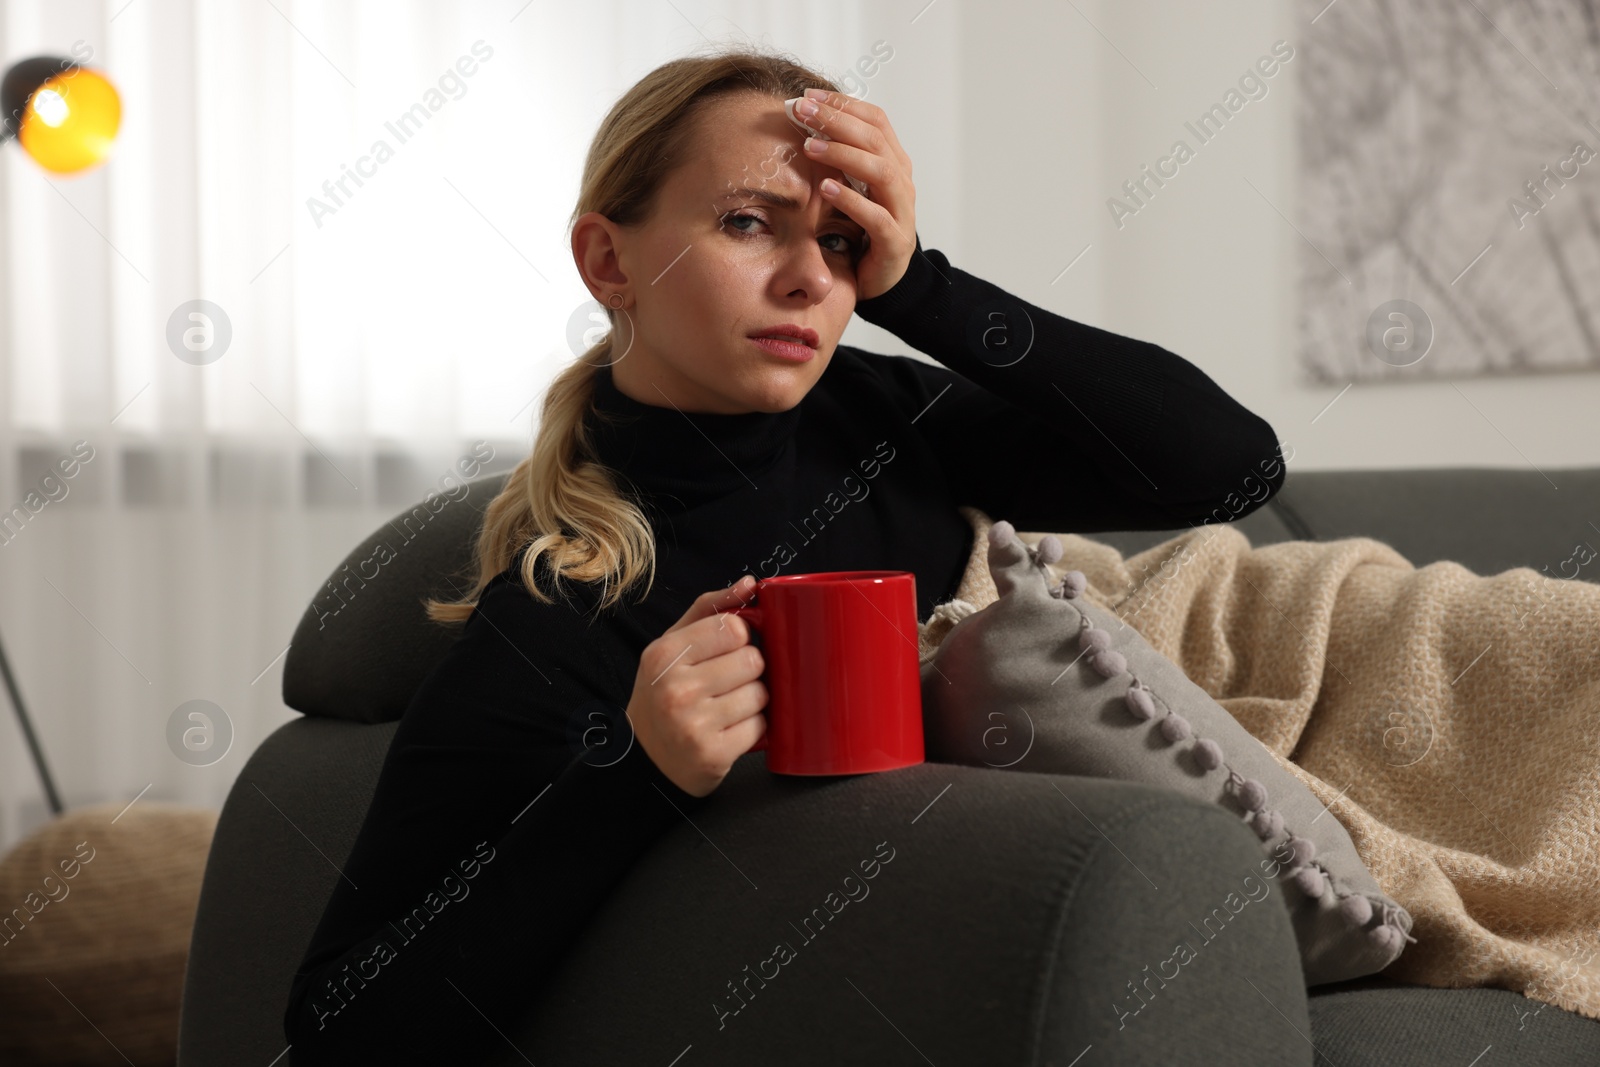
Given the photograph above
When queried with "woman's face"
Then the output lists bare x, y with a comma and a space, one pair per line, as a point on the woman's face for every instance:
741, 240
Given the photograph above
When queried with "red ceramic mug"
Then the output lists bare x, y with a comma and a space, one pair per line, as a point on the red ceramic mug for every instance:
844, 688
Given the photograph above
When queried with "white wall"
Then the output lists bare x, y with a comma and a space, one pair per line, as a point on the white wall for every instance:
1055, 116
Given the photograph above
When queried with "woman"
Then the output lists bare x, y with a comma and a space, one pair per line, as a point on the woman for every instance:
578, 717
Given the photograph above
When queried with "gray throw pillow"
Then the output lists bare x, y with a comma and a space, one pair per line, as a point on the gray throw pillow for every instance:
1045, 680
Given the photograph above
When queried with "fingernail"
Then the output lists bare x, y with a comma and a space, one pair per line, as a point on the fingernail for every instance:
817, 94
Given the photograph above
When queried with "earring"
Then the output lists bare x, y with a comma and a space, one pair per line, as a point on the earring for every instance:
616, 300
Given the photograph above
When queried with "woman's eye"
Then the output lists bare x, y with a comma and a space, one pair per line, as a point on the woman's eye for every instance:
740, 216
851, 246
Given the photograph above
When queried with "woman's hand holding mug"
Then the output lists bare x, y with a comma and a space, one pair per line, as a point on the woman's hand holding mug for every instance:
698, 695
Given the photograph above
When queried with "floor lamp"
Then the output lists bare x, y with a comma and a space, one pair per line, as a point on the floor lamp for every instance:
65, 116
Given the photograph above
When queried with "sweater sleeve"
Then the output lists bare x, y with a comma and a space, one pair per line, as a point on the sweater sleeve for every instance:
1057, 425
512, 799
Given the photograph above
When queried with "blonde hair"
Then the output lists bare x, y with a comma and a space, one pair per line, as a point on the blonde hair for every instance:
561, 502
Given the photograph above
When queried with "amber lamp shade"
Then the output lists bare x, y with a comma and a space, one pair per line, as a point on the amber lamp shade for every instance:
63, 115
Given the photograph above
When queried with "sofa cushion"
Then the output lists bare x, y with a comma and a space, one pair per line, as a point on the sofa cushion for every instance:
1375, 1022
1488, 519
365, 643
1042, 679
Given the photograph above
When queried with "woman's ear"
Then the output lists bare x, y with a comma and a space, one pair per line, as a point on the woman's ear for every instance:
598, 245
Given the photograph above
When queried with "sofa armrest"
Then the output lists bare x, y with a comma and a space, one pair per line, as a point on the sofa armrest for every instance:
1007, 919
293, 812
971, 915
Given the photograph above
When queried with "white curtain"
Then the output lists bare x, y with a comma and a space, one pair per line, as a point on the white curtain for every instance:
372, 198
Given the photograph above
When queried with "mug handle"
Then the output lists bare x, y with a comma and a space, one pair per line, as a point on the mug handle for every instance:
753, 617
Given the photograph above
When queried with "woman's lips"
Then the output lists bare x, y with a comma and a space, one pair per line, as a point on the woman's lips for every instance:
786, 350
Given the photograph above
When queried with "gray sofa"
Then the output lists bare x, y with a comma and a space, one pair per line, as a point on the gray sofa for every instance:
1010, 926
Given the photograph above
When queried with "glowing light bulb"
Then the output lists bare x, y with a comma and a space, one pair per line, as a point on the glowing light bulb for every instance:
50, 106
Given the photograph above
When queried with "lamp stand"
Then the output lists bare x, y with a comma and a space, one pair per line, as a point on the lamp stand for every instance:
27, 732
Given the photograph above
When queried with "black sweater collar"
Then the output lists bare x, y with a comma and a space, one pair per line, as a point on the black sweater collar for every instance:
679, 459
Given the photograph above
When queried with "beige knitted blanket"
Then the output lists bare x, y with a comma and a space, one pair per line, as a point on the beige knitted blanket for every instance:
1451, 722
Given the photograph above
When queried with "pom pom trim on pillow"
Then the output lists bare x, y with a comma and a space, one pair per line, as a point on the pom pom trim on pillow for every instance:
1310, 877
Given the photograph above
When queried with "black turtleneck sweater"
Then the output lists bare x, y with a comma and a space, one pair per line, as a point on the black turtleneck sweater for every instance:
513, 796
